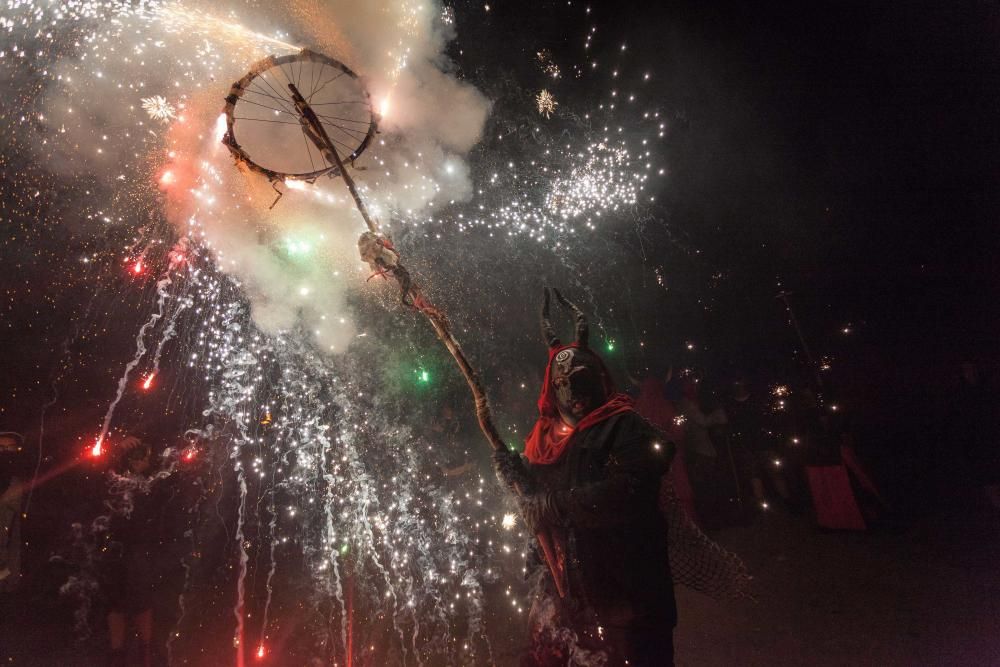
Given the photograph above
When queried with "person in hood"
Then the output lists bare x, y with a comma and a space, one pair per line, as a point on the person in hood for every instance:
590, 479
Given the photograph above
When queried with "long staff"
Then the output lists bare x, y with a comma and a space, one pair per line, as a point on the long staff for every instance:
377, 250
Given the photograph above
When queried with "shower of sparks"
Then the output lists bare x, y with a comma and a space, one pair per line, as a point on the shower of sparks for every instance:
548, 66
780, 392
602, 182
546, 103
320, 483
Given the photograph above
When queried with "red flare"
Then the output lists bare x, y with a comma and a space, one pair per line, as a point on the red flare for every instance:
149, 381
97, 449
190, 454
137, 267
261, 652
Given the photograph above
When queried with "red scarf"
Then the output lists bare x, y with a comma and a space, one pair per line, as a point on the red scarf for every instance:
551, 435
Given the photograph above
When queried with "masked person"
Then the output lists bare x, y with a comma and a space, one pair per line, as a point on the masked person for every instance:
590, 487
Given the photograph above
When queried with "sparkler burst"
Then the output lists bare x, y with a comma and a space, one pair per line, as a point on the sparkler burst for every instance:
159, 108
546, 103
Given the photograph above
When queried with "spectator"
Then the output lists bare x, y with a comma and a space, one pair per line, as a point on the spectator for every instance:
973, 432
141, 553
11, 499
653, 404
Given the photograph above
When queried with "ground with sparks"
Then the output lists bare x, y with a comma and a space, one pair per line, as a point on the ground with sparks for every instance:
927, 594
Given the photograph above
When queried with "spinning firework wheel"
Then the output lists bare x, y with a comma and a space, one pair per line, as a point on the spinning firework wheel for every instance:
284, 114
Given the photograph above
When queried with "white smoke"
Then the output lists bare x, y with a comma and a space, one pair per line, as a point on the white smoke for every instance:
297, 260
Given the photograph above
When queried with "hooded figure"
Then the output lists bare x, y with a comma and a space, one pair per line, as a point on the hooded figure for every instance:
592, 478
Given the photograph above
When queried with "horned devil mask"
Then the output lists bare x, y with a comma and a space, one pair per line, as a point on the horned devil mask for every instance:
577, 376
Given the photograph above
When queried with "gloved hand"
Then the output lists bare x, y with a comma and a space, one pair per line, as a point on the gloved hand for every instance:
509, 469
540, 510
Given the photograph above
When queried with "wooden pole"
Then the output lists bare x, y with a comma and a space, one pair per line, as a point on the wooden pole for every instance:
442, 327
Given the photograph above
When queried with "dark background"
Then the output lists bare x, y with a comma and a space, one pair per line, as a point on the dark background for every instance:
844, 152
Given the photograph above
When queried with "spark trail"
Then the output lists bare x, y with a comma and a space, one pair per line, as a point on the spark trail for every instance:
163, 295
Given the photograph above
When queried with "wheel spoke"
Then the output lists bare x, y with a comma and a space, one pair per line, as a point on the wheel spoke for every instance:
243, 99
263, 94
265, 120
346, 120
331, 80
309, 152
277, 94
316, 76
354, 134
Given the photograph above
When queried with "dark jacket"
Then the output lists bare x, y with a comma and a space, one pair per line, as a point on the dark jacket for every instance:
606, 487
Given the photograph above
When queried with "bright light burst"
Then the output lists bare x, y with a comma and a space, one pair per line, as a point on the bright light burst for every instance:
546, 103
159, 108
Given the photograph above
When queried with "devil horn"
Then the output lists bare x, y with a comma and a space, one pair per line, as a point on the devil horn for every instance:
582, 330
547, 333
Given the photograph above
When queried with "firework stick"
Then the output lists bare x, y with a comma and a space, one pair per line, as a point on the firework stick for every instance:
442, 327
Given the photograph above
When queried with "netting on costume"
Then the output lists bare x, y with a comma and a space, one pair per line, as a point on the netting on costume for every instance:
696, 561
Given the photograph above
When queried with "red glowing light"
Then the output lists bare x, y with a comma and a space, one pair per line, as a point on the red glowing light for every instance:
149, 381
260, 652
167, 178
137, 267
190, 454
97, 449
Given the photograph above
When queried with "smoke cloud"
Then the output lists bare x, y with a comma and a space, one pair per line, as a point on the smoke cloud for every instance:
298, 260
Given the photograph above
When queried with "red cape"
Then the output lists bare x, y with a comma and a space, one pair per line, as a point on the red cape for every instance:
551, 436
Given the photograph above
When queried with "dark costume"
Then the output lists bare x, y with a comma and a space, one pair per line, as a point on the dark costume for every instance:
130, 576
145, 544
592, 489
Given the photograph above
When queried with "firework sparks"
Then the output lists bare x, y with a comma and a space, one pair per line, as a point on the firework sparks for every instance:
159, 108
298, 423
546, 103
